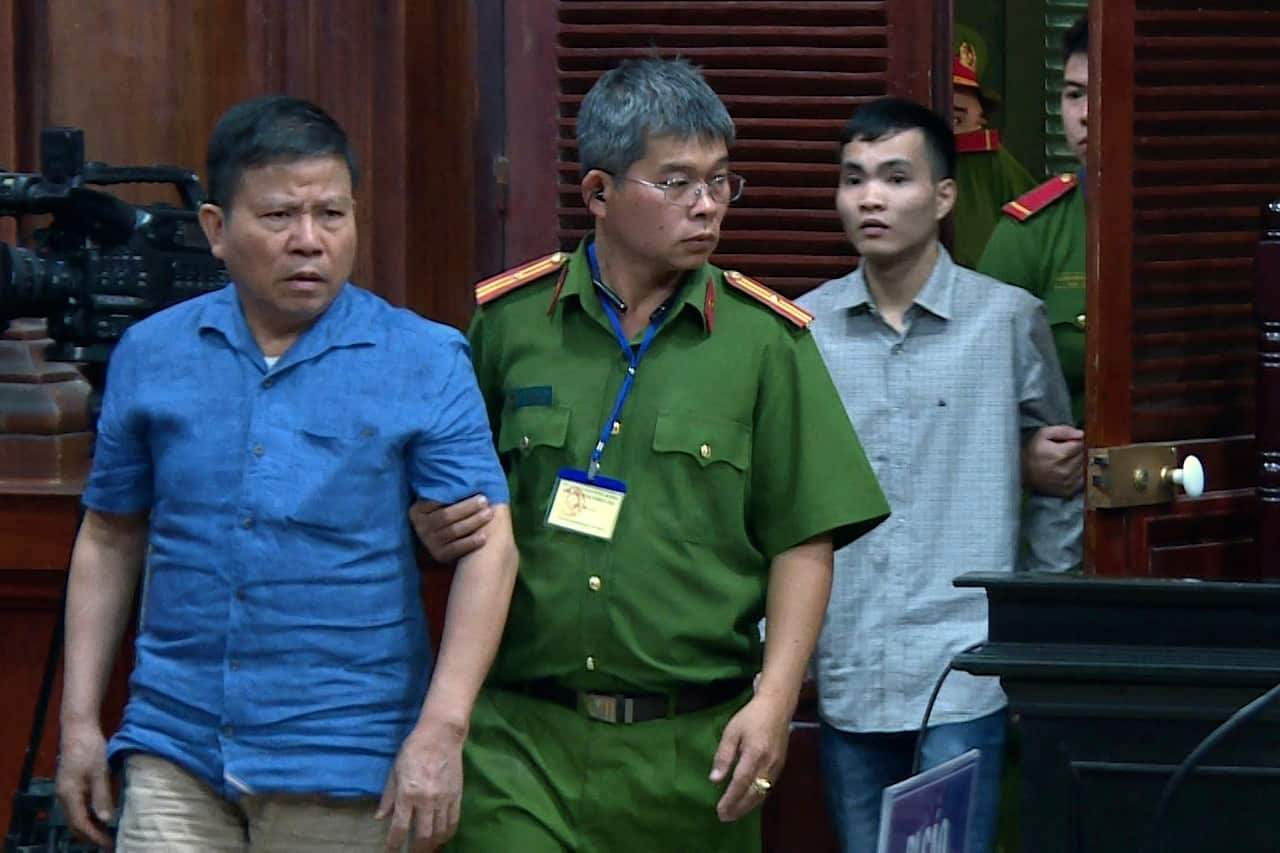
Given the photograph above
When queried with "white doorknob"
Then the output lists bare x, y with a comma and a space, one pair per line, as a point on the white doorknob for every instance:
1190, 476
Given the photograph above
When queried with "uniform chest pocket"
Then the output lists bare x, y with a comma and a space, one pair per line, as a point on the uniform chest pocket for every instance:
699, 483
531, 445
527, 428
1065, 308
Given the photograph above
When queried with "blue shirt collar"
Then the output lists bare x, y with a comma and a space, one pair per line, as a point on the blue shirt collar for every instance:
222, 313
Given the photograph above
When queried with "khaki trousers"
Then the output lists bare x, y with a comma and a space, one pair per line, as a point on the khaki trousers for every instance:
167, 810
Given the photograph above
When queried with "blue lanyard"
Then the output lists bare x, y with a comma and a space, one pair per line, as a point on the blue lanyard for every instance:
633, 359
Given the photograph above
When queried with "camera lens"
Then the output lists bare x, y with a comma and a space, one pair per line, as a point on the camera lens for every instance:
30, 286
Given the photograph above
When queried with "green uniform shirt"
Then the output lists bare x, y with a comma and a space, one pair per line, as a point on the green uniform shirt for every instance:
985, 180
1046, 255
733, 445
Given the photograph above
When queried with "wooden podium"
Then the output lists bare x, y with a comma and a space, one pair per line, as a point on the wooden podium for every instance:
1112, 683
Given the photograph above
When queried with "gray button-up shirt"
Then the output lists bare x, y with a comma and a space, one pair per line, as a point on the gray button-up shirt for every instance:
941, 409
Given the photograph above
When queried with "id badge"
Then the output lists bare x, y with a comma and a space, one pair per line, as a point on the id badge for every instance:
589, 506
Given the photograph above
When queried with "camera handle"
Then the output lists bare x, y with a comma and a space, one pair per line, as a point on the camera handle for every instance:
186, 181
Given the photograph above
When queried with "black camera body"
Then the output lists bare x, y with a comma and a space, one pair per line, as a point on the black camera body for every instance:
101, 264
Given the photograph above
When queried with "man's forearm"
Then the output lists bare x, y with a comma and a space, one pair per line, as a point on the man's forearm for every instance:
105, 565
477, 612
799, 586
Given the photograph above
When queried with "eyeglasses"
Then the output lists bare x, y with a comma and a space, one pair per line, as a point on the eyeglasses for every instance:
722, 189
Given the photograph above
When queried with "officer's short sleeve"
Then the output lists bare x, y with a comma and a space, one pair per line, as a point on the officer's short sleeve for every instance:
809, 473
122, 478
454, 457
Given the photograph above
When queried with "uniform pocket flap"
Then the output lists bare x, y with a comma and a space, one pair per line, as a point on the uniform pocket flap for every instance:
706, 439
533, 426
1063, 311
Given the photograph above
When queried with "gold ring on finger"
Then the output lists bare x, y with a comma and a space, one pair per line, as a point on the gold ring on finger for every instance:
761, 785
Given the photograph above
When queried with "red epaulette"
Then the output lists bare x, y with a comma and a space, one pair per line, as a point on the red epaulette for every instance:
977, 140
1036, 200
779, 304
505, 282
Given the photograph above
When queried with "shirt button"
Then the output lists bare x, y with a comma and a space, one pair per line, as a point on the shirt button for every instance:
248, 522
591, 663
616, 428
1080, 320
266, 383
240, 594
705, 451
235, 666
257, 450
227, 731
524, 443
594, 583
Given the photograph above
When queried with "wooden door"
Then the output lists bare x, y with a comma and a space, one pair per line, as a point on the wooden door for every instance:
1183, 121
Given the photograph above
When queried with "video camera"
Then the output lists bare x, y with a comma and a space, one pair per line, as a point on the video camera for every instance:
101, 264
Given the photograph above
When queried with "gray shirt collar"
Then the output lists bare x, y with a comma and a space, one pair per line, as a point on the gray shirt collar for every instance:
935, 297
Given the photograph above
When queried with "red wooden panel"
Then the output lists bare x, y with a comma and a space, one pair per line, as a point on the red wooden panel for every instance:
1182, 156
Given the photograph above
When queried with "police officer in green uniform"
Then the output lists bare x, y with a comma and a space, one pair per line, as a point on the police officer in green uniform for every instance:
987, 175
1040, 245
681, 466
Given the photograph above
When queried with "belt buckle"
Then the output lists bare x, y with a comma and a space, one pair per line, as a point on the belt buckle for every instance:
604, 707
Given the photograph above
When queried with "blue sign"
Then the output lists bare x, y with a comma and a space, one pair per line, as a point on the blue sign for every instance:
931, 812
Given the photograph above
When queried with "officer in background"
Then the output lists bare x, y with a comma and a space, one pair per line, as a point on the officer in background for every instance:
1039, 244
680, 466
987, 175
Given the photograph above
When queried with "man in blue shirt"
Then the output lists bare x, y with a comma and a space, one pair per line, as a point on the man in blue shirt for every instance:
258, 450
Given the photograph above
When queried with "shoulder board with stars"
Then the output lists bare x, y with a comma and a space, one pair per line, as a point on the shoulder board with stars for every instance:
977, 140
776, 302
1036, 200
505, 282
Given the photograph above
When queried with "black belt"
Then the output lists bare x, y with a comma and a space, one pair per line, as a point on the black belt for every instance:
632, 707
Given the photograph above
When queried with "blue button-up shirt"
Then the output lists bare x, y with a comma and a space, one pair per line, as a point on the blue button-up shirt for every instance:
282, 644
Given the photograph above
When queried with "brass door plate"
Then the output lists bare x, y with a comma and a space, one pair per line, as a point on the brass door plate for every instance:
1131, 475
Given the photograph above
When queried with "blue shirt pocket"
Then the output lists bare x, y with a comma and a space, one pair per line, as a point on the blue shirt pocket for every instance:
341, 473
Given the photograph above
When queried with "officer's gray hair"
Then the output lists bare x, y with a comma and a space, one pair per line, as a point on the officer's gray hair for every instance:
644, 98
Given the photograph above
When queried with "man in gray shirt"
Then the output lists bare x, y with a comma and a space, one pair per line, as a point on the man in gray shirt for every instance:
943, 372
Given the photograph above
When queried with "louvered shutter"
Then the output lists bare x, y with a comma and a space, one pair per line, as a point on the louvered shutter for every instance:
1059, 15
1186, 125
790, 72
